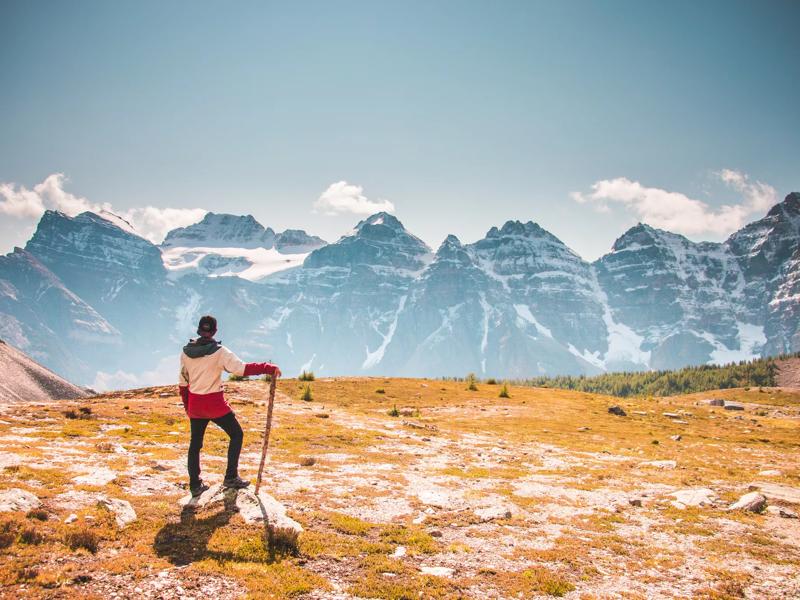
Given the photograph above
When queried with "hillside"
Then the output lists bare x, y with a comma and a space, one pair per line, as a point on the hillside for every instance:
461, 494
23, 379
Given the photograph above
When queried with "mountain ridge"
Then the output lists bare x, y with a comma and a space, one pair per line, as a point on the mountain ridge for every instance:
517, 302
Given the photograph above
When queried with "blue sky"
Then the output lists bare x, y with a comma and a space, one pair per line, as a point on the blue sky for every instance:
585, 117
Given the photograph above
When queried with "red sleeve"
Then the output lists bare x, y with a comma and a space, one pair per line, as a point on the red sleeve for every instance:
184, 390
259, 369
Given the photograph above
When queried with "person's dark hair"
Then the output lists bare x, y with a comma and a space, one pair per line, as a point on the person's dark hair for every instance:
207, 326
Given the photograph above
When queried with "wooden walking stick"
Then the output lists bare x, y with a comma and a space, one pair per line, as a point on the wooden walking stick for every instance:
273, 381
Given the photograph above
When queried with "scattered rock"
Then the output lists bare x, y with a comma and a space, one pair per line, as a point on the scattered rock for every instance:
122, 509
751, 502
584, 428
438, 571
435, 533
635, 502
490, 513
100, 476
778, 492
399, 552
781, 512
71, 518
617, 410
15, 499
693, 497
671, 415
733, 406
715, 402
641, 413
676, 438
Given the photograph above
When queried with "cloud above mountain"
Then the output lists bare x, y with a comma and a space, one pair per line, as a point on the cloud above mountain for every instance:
346, 198
150, 222
680, 213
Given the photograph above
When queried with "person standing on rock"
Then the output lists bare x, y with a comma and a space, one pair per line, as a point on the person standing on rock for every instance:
200, 383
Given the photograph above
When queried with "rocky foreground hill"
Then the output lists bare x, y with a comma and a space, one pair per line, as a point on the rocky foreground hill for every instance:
408, 488
23, 379
105, 307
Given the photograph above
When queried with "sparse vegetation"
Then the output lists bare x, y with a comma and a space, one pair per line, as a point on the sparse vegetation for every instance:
307, 395
82, 538
759, 373
306, 376
472, 382
491, 381
394, 412
504, 393
235, 377
380, 391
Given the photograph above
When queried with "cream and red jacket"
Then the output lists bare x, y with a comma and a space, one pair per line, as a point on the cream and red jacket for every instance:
200, 380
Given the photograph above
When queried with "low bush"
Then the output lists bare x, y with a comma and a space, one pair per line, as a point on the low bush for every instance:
82, 538
307, 396
504, 391
306, 376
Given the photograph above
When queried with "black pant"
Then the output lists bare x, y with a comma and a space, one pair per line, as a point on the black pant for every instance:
229, 425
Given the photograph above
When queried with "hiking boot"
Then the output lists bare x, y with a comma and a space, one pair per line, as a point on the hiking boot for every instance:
236, 483
197, 488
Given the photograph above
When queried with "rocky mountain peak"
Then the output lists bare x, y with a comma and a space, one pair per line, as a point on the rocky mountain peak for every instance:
381, 219
221, 230
790, 207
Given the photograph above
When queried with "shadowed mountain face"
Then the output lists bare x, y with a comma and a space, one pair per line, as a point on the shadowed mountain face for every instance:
379, 301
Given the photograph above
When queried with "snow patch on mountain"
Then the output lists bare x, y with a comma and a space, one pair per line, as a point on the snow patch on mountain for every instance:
525, 314
373, 358
253, 264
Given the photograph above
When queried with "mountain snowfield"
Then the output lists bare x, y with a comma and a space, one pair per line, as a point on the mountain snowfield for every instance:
102, 306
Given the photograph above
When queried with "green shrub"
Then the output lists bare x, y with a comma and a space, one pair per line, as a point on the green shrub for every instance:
307, 396
471, 382
234, 377
491, 381
306, 376
504, 391
394, 412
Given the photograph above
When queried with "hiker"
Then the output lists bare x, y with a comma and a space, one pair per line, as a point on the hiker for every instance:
200, 382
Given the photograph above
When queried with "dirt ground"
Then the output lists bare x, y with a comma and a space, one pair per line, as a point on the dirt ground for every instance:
410, 488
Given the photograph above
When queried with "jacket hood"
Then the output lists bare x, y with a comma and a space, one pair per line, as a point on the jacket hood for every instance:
201, 346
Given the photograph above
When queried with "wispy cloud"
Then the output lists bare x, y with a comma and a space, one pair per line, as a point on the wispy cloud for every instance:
680, 213
342, 197
150, 222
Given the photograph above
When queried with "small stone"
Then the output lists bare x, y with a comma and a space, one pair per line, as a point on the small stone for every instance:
15, 499
399, 552
781, 512
490, 513
733, 406
122, 509
617, 410
437, 571
71, 519
716, 402
671, 415
770, 473
436, 533
635, 502
676, 438
751, 502
583, 428
693, 497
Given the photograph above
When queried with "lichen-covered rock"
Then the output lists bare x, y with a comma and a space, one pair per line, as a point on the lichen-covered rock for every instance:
14, 499
124, 514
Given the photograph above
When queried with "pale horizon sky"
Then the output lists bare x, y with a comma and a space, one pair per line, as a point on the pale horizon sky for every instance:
585, 117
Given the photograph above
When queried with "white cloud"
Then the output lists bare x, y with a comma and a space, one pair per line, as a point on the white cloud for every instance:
149, 222
677, 212
342, 197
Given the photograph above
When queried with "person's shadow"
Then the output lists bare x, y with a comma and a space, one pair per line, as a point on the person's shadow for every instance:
186, 541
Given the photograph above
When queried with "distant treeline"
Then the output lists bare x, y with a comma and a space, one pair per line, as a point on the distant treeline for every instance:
754, 373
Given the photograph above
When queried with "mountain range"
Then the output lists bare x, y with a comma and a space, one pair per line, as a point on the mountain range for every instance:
95, 302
